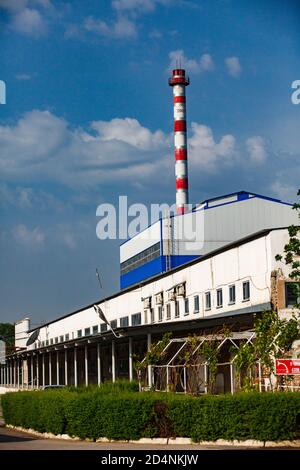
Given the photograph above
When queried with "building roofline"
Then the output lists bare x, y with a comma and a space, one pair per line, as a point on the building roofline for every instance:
245, 192
133, 287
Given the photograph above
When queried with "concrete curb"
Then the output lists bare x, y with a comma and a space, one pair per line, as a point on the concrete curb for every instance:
166, 441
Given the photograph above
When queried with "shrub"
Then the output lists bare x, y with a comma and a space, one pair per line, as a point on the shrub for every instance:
118, 412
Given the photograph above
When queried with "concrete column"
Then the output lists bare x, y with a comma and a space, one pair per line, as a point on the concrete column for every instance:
31, 367
1, 376
18, 372
57, 367
113, 361
149, 367
37, 370
86, 369
66, 367
98, 364
75, 367
130, 359
50, 369
11, 373
14, 373
231, 379
43, 369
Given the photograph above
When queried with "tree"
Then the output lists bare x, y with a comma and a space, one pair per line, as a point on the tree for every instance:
292, 253
7, 332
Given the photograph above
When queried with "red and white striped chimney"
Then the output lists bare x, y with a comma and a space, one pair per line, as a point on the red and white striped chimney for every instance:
179, 81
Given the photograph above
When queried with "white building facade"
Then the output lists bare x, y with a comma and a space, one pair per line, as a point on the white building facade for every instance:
230, 285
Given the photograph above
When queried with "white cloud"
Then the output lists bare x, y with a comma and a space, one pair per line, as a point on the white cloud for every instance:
284, 190
206, 62
122, 28
137, 6
256, 147
28, 17
203, 64
130, 131
29, 22
41, 147
23, 76
26, 236
233, 66
206, 153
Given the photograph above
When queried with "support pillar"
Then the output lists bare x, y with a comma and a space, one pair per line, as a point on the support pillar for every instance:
113, 361
149, 367
17, 372
57, 367
37, 371
66, 367
75, 367
31, 372
50, 369
86, 367
231, 379
43, 369
130, 359
98, 364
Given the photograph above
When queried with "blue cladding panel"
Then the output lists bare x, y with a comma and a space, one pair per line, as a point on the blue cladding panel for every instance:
242, 196
142, 272
154, 267
181, 259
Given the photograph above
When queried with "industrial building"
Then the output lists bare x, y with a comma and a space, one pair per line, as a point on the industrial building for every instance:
225, 275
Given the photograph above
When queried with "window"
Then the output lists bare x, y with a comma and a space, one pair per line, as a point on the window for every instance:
79, 333
292, 294
219, 298
47, 342
196, 303
246, 290
124, 321
177, 311
145, 316
136, 319
103, 327
207, 301
51, 341
56, 340
186, 306
87, 331
160, 313
67, 337
152, 316
95, 329
61, 339
114, 324
232, 294
141, 258
168, 311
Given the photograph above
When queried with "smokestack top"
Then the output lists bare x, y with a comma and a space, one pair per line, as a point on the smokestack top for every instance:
179, 78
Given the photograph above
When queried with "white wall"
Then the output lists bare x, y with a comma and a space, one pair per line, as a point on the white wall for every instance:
21, 335
252, 261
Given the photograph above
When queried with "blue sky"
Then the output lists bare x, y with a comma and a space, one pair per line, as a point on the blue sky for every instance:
89, 117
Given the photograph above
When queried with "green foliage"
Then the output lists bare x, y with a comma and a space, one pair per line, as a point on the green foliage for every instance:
130, 415
292, 250
119, 386
7, 332
154, 355
209, 350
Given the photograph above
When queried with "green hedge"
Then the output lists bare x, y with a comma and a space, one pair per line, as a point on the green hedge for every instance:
122, 413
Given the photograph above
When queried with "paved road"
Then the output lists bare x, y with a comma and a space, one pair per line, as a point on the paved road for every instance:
15, 440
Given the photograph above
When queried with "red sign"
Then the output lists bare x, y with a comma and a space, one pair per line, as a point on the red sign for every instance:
287, 366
